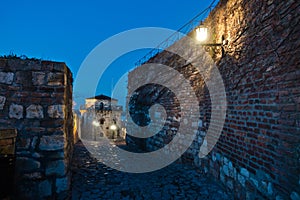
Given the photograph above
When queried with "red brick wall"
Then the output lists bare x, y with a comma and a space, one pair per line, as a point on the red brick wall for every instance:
258, 153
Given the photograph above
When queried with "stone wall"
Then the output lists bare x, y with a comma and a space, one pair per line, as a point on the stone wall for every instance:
36, 99
258, 153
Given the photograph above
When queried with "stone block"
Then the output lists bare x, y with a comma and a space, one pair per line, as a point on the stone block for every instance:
56, 168
24, 78
250, 196
34, 142
232, 174
24, 164
229, 184
6, 77
59, 66
38, 78
62, 184
2, 102
23, 143
34, 111
230, 166
45, 188
56, 111
295, 196
200, 123
218, 156
241, 179
278, 197
16, 111
254, 181
222, 177
214, 158
36, 155
225, 160
225, 170
270, 189
245, 172
55, 79
52, 143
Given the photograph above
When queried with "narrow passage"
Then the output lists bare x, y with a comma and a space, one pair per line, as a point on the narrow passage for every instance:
93, 180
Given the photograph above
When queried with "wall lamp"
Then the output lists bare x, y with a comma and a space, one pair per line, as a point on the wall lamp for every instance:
202, 36
113, 127
96, 123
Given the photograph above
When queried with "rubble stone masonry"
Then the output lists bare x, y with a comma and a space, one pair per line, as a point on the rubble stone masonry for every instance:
36, 100
258, 153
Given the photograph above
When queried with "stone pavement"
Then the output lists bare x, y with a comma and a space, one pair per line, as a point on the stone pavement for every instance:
93, 180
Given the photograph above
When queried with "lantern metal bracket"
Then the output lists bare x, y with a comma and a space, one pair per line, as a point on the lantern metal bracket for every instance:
212, 46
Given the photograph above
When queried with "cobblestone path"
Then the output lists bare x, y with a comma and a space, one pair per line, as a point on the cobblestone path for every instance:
93, 180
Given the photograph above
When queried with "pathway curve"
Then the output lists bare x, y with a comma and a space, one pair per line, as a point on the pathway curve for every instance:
93, 180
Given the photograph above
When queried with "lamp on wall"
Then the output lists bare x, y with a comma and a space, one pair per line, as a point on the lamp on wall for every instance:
96, 123
113, 127
201, 33
202, 36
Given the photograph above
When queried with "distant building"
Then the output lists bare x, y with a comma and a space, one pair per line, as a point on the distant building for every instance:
99, 100
105, 114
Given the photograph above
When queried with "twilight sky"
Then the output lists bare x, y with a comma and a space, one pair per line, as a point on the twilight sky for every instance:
68, 30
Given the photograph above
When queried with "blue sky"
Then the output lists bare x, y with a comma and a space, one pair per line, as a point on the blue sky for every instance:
68, 30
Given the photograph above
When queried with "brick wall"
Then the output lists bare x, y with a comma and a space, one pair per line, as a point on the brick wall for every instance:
258, 153
36, 99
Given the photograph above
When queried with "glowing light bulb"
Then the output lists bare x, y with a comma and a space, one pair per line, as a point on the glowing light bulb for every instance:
113, 127
201, 34
95, 123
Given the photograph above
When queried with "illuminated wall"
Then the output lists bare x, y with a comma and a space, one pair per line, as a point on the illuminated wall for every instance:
257, 155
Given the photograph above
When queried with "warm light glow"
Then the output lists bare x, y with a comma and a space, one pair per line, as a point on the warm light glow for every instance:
201, 34
113, 127
95, 123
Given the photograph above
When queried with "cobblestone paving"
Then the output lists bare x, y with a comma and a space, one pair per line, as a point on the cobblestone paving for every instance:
93, 180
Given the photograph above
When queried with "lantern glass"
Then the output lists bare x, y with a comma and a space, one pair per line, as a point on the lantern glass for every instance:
95, 123
113, 127
201, 34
